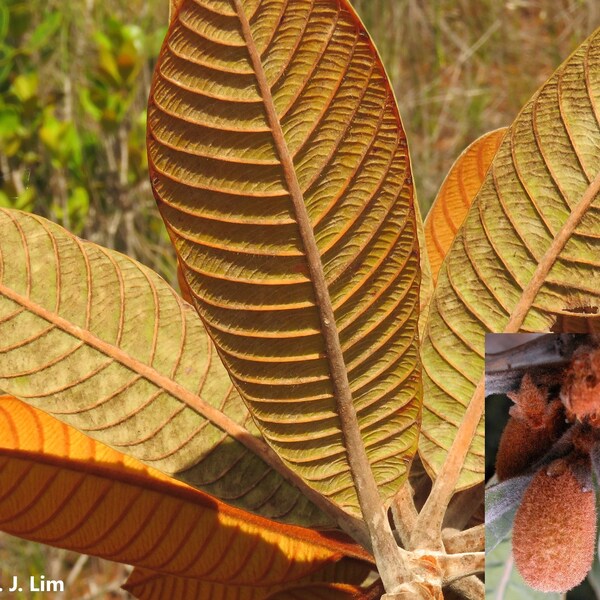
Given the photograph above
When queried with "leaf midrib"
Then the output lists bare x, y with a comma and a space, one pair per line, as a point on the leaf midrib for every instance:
147, 372
351, 436
550, 256
313, 257
369, 498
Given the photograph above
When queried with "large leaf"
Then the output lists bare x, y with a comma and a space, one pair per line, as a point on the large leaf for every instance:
280, 166
103, 343
527, 253
147, 585
456, 195
62, 488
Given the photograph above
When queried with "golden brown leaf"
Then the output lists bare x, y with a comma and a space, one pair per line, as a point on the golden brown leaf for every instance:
62, 488
281, 168
456, 195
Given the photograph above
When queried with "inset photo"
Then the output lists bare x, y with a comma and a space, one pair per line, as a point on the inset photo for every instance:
542, 452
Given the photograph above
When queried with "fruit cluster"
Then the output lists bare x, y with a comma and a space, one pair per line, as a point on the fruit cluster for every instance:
556, 436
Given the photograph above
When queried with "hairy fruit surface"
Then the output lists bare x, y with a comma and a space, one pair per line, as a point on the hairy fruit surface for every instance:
581, 390
533, 427
520, 446
554, 535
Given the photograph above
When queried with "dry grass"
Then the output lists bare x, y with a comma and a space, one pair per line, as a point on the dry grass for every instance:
461, 68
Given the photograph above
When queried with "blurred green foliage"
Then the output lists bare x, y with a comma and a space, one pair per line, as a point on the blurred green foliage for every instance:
74, 79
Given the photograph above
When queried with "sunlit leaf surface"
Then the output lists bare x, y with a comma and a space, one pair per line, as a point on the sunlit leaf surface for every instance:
281, 168
104, 344
62, 488
528, 252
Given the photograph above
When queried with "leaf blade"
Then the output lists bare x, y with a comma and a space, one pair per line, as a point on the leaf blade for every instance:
524, 256
310, 181
456, 194
123, 359
62, 488
147, 585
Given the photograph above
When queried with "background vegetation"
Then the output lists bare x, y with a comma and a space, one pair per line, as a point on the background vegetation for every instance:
74, 78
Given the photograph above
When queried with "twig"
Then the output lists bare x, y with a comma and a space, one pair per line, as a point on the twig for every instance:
463, 58
470, 540
457, 566
428, 532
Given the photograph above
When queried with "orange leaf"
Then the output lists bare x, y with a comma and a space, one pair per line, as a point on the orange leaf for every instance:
456, 194
148, 585
281, 168
62, 488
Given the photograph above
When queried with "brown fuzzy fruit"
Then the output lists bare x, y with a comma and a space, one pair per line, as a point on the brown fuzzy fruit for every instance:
554, 535
581, 390
531, 402
533, 427
520, 446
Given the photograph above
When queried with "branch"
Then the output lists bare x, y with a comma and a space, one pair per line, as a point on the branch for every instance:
543, 351
469, 588
457, 566
545, 355
470, 540
428, 532
404, 513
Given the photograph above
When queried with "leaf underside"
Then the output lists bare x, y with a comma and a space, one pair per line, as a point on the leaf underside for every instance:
62, 488
322, 585
105, 345
265, 115
528, 252
456, 195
